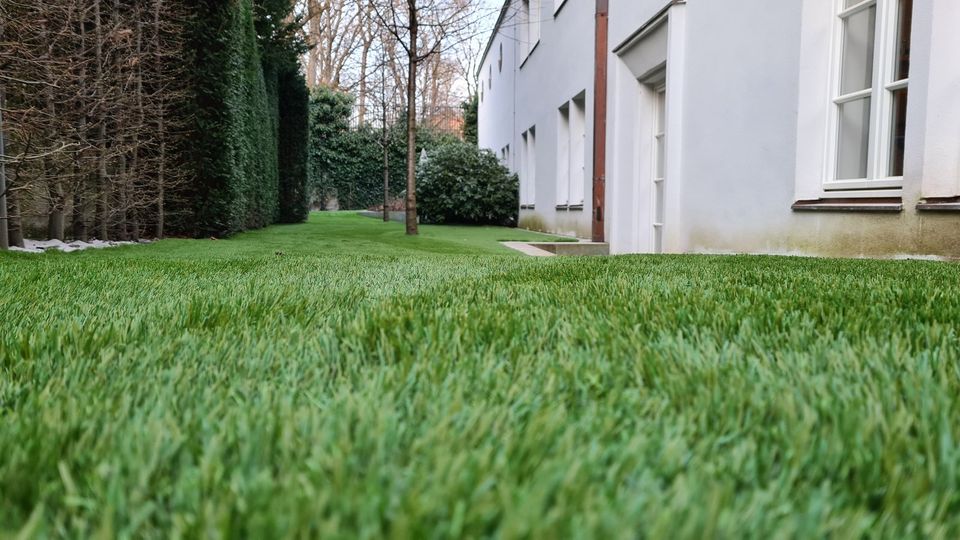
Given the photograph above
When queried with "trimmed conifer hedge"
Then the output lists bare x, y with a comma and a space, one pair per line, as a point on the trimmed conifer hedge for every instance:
249, 137
292, 142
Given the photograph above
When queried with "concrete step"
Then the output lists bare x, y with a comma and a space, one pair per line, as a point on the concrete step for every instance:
576, 249
551, 249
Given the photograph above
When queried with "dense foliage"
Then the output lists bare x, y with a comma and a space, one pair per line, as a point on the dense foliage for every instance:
130, 119
440, 386
250, 145
471, 111
460, 183
281, 46
346, 162
235, 141
293, 144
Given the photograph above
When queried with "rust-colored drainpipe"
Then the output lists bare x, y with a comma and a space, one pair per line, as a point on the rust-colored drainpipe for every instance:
600, 119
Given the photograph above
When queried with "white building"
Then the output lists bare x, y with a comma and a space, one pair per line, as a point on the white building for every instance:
827, 127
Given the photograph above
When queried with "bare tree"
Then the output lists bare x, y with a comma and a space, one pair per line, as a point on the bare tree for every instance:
88, 85
423, 29
333, 30
4, 234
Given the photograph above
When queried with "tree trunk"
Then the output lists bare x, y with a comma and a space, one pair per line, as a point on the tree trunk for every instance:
79, 224
123, 230
4, 232
55, 221
386, 171
103, 209
362, 98
411, 217
14, 221
161, 172
313, 55
161, 133
134, 173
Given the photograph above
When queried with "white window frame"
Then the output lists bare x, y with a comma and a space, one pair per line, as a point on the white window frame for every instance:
528, 168
658, 169
530, 12
564, 151
881, 101
572, 153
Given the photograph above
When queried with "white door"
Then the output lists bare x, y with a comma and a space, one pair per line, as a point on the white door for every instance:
659, 166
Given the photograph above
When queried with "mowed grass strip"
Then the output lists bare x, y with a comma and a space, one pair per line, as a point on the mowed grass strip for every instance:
365, 384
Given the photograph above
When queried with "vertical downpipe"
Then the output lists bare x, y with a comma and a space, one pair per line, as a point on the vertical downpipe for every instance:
600, 119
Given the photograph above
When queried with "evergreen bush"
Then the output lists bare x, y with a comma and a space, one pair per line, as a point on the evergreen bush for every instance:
459, 183
292, 144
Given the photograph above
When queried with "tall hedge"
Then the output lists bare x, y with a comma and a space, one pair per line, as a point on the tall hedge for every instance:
234, 145
292, 143
347, 163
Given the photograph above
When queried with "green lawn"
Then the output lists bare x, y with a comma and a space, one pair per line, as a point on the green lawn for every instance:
364, 384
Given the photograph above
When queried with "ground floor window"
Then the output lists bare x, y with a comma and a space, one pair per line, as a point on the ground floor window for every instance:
571, 152
528, 168
870, 98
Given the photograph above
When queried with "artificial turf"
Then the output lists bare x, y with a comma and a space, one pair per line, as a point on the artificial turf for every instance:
338, 379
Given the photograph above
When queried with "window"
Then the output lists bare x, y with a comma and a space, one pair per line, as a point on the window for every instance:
490, 77
870, 97
529, 25
528, 168
571, 153
659, 166
563, 156
500, 61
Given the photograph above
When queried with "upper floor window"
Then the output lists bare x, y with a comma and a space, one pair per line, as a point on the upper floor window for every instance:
529, 25
870, 96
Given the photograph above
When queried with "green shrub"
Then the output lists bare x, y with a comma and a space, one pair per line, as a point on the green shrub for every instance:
460, 183
471, 111
292, 144
346, 162
233, 142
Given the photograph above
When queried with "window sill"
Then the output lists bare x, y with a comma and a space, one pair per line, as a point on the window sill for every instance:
884, 204
945, 204
570, 207
527, 207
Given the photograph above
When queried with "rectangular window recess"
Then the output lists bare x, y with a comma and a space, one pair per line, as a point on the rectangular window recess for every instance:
529, 54
563, 207
877, 204
939, 204
575, 207
527, 207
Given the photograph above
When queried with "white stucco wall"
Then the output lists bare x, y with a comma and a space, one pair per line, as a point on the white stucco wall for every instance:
559, 69
744, 80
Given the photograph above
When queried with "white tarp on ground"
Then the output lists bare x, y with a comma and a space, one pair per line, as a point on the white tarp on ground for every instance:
40, 246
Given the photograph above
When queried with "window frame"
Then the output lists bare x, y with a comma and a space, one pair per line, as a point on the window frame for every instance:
531, 12
528, 168
880, 93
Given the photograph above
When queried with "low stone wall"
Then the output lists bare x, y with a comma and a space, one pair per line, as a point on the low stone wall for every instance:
399, 217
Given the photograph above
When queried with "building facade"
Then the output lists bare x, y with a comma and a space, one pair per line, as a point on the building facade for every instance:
820, 127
